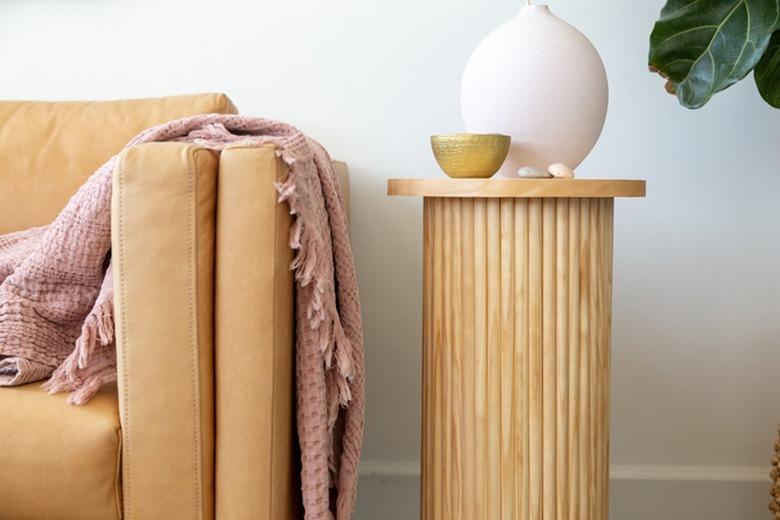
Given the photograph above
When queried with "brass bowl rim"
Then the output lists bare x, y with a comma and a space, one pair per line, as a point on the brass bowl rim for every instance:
469, 134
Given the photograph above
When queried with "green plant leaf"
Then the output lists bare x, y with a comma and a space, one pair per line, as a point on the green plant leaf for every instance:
704, 46
767, 72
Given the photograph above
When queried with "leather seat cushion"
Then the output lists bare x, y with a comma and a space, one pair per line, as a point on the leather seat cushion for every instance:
58, 461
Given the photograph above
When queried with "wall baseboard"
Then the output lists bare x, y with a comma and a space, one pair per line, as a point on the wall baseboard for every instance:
689, 473
389, 490
616, 471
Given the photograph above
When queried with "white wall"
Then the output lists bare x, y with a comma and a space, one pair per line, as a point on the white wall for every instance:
697, 264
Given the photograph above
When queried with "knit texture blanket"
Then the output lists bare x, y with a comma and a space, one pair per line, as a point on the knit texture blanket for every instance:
56, 300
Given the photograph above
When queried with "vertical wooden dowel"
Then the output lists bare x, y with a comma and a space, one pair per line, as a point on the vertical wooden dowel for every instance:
494, 358
574, 358
507, 360
535, 361
584, 346
594, 355
439, 476
562, 356
456, 382
469, 360
439, 395
521, 380
549, 383
608, 236
480, 353
601, 449
446, 355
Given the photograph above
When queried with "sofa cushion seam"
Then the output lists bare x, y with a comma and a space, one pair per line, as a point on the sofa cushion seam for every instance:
192, 173
126, 429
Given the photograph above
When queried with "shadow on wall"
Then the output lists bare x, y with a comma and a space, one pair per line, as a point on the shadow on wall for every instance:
387, 238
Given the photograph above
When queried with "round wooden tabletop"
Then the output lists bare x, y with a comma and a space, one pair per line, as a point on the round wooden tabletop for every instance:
524, 188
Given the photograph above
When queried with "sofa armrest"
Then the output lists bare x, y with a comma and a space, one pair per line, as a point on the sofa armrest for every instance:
163, 234
257, 468
256, 462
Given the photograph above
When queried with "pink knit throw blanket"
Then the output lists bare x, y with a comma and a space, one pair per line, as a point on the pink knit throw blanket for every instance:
56, 300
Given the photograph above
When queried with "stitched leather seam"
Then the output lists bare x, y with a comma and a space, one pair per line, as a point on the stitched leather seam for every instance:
192, 175
126, 437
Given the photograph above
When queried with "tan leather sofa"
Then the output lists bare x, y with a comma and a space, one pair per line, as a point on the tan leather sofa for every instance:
200, 423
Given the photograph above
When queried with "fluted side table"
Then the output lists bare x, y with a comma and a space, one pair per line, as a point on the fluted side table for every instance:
516, 346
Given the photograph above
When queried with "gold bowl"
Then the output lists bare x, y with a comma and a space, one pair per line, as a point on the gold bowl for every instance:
464, 156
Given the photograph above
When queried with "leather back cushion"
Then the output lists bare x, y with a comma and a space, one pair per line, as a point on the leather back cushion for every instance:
48, 149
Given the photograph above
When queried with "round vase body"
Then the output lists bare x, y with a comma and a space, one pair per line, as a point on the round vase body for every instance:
540, 81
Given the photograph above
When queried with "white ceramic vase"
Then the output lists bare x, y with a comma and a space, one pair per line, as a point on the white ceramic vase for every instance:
540, 81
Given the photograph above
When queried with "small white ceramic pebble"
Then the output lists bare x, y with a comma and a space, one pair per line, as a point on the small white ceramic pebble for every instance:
560, 171
529, 172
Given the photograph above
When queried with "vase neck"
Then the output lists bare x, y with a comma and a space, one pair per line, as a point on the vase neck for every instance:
535, 9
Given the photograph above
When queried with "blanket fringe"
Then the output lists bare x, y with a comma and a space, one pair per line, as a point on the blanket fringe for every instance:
78, 373
90, 386
333, 342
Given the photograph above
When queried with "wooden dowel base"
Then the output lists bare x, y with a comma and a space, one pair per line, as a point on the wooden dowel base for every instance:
516, 358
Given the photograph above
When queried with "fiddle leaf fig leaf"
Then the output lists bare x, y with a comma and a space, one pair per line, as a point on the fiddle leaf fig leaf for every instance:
704, 46
767, 72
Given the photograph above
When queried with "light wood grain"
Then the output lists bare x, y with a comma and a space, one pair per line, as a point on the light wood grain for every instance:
517, 311
525, 188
